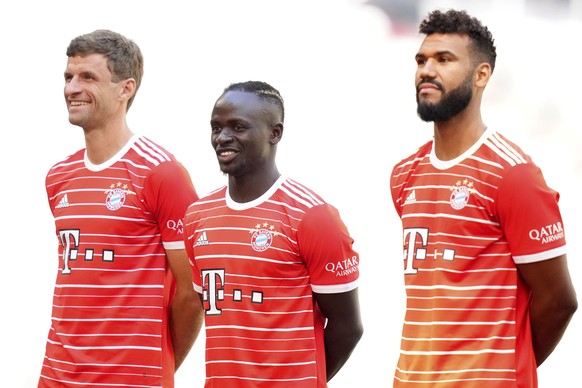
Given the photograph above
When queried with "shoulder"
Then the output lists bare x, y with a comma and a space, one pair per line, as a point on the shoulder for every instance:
420, 153
216, 195
300, 193
148, 153
500, 150
70, 163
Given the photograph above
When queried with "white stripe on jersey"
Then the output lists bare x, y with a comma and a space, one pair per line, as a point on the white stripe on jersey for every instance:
297, 198
141, 145
459, 352
303, 191
445, 215
152, 146
509, 148
150, 158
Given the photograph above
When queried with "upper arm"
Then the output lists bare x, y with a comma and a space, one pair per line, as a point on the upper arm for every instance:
168, 192
180, 267
549, 279
342, 308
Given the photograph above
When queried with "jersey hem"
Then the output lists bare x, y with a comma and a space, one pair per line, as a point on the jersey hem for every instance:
334, 288
173, 245
541, 256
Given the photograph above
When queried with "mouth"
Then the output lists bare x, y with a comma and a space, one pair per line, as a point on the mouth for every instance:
74, 104
427, 88
226, 156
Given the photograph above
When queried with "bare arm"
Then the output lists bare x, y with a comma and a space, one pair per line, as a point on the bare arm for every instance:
553, 302
186, 309
343, 329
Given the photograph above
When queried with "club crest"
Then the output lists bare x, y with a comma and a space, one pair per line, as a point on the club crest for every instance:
262, 236
116, 195
460, 194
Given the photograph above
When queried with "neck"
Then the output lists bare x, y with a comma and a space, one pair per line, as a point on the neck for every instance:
247, 188
104, 143
455, 136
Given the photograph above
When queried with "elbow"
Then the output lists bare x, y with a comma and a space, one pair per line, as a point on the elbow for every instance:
357, 333
569, 304
573, 306
567, 307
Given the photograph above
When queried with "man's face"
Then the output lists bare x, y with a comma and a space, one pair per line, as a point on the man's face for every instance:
92, 97
241, 134
444, 77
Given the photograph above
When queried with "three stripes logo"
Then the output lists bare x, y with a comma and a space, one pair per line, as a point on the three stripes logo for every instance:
64, 202
411, 198
202, 240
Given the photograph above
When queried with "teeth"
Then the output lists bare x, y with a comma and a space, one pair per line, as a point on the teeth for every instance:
78, 103
226, 153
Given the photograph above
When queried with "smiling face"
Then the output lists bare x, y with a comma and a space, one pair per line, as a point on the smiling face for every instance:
245, 131
444, 77
92, 97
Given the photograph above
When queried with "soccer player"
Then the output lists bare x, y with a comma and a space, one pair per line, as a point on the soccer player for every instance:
488, 290
273, 262
125, 313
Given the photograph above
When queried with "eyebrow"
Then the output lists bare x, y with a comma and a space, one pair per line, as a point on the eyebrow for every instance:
438, 53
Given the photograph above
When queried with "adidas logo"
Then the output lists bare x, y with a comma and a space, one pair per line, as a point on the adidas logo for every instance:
411, 198
202, 240
64, 202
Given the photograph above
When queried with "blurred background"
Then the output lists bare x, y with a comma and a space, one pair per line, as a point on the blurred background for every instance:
346, 71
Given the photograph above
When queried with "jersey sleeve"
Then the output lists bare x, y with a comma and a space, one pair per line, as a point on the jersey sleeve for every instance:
326, 247
168, 192
530, 216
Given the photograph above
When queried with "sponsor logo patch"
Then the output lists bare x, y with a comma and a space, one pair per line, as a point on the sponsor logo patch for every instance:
547, 234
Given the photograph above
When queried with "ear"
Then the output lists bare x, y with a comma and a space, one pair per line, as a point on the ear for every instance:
128, 88
482, 74
276, 133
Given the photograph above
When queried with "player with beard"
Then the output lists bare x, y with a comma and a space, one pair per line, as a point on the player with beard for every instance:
489, 294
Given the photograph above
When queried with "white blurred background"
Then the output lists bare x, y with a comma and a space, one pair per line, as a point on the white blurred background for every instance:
345, 69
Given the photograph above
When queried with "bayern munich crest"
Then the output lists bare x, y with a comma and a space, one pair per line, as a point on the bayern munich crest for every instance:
461, 192
262, 237
116, 196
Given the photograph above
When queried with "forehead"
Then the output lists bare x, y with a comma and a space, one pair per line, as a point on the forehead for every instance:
242, 104
89, 62
456, 44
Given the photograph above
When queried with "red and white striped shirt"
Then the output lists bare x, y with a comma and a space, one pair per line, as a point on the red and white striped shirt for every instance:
114, 222
466, 224
257, 265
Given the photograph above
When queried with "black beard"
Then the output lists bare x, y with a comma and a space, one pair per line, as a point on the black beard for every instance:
449, 106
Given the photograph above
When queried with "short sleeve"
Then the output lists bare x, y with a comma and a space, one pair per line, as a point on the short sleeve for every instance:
530, 216
168, 192
326, 247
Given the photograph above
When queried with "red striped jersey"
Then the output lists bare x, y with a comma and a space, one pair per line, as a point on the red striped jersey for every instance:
257, 265
114, 221
466, 223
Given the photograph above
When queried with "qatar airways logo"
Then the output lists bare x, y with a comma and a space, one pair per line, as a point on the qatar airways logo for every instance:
176, 225
343, 267
548, 233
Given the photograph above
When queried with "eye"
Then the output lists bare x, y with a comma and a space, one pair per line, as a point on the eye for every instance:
444, 59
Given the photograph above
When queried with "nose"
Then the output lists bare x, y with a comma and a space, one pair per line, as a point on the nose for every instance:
72, 86
427, 69
223, 136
